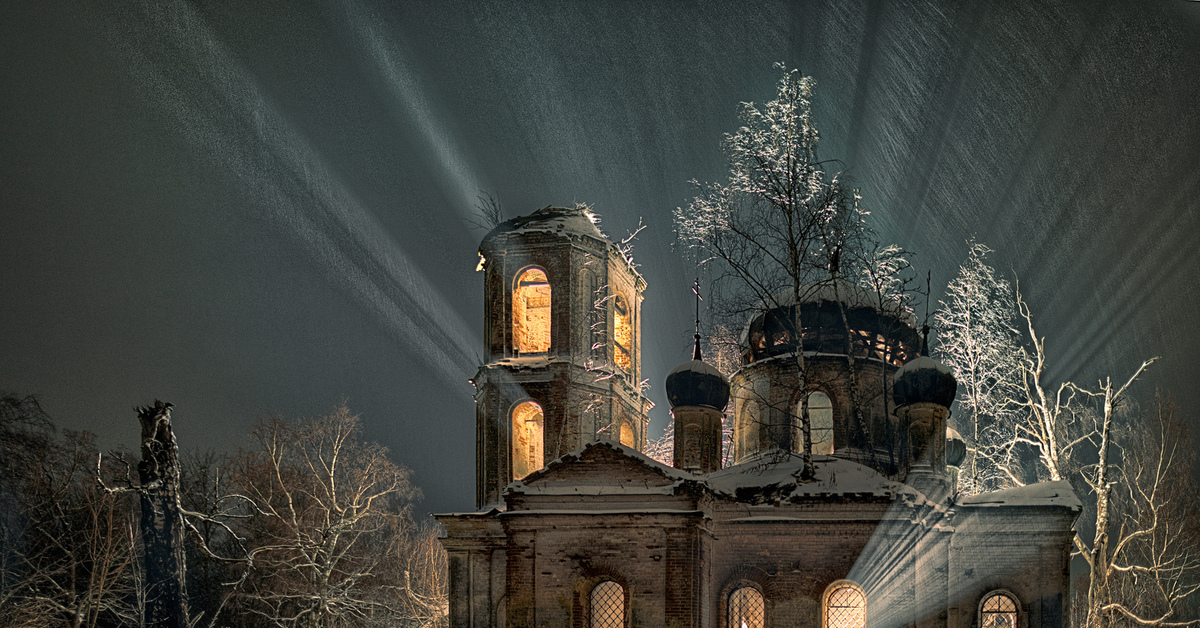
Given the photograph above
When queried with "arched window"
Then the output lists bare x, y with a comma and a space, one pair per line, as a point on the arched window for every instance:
527, 439
607, 604
820, 416
746, 608
626, 435
531, 312
998, 610
845, 606
622, 333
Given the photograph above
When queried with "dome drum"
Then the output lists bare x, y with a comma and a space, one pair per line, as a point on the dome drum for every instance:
873, 334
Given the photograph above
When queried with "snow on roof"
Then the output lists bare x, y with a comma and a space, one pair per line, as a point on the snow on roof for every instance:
577, 220
1057, 493
923, 363
617, 486
778, 472
525, 362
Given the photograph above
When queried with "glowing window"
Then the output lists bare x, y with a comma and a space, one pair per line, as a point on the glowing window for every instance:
998, 611
527, 439
626, 435
608, 605
820, 416
622, 333
531, 312
746, 609
845, 606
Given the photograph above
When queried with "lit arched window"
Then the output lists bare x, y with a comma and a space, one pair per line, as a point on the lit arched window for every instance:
625, 435
820, 416
845, 606
746, 608
998, 610
622, 333
527, 439
608, 605
531, 312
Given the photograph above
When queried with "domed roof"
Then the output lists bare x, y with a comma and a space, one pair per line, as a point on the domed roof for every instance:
578, 220
697, 383
924, 380
956, 447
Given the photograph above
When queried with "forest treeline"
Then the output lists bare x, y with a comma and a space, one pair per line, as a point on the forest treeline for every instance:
310, 525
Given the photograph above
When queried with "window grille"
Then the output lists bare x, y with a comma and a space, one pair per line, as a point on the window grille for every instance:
746, 609
608, 605
999, 611
846, 607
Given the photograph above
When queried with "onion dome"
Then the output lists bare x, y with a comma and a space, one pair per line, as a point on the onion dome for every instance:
697, 383
924, 380
956, 447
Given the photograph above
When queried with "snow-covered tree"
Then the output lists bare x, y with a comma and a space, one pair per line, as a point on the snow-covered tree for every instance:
782, 228
979, 341
1133, 475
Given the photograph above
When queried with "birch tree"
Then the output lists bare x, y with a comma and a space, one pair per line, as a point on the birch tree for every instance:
1133, 476
782, 228
979, 341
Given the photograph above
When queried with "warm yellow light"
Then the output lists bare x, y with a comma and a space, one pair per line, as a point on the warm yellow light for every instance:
626, 436
531, 312
527, 440
622, 334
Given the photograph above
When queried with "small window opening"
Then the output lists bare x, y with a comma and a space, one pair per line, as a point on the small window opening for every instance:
527, 439
780, 338
999, 611
845, 607
626, 435
531, 312
608, 605
746, 608
622, 333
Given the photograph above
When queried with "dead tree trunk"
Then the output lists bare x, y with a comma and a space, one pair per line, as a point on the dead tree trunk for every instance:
161, 521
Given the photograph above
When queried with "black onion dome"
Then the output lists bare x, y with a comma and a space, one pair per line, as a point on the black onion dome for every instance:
956, 447
697, 383
924, 380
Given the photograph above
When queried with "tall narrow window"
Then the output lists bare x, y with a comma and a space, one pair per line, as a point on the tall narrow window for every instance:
845, 606
998, 611
622, 333
527, 440
531, 312
746, 608
608, 605
820, 416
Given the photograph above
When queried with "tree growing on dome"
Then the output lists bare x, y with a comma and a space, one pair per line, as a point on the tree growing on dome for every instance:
784, 229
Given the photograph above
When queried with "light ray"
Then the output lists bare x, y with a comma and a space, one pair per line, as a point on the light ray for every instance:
405, 89
287, 179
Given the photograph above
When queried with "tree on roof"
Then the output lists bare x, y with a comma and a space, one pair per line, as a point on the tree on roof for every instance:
784, 228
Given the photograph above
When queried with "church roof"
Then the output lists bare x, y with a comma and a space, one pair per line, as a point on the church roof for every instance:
578, 220
615, 469
1057, 493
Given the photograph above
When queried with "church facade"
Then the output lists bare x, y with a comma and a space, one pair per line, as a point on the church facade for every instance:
852, 522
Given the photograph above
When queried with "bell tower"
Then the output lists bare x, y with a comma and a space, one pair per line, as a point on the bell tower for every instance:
562, 329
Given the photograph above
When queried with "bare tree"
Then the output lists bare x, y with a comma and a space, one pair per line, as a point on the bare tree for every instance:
1141, 569
334, 527
67, 546
782, 229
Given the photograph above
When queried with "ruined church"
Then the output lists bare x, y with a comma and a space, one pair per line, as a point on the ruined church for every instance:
576, 527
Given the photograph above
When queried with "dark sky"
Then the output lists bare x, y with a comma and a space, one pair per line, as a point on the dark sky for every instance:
248, 208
